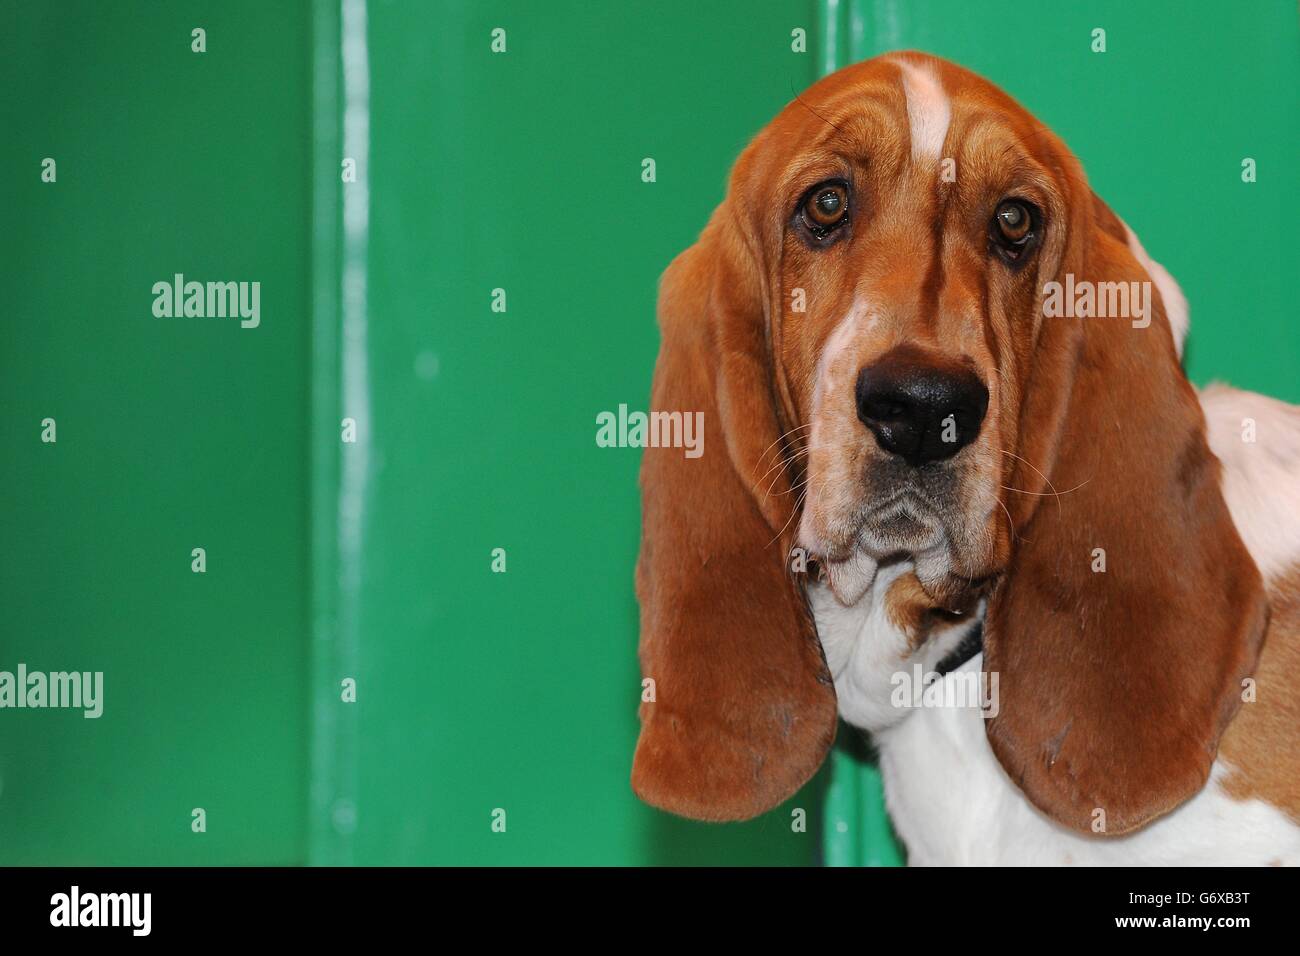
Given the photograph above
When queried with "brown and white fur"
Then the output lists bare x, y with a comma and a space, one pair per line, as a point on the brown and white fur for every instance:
950, 800
1138, 721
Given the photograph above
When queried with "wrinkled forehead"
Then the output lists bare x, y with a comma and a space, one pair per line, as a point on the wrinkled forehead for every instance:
907, 114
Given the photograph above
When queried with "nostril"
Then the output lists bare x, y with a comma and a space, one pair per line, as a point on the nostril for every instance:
918, 408
882, 409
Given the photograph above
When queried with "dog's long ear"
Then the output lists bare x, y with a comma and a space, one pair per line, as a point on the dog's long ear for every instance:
744, 707
1130, 612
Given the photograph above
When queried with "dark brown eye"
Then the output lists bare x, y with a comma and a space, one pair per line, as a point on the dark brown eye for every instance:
825, 208
1013, 228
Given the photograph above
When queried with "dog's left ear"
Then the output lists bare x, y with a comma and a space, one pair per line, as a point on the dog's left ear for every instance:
1130, 612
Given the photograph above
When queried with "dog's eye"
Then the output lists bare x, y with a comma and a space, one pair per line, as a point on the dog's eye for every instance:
825, 208
1013, 220
1013, 229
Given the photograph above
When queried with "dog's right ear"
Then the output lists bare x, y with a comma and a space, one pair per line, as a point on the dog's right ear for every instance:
743, 708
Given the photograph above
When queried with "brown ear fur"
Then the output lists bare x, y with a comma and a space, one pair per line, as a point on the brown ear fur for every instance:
1115, 686
745, 707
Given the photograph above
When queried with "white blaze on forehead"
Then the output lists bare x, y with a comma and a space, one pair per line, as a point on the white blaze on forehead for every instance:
929, 110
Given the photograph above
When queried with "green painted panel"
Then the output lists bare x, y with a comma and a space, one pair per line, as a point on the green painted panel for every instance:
856, 827
172, 433
522, 171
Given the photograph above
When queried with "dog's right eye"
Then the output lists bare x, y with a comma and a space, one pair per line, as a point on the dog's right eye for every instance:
1014, 230
825, 208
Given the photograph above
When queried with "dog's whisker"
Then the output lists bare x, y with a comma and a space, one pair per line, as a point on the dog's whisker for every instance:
801, 484
789, 463
779, 468
1054, 492
793, 511
1046, 494
780, 459
784, 462
778, 441
1011, 524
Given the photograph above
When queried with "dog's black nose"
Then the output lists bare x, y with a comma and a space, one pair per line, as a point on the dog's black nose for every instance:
918, 408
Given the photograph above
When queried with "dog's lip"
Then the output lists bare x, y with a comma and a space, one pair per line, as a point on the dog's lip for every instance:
903, 524
912, 501
867, 533
851, 578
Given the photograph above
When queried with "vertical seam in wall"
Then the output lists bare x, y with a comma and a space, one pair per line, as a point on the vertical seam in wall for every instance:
857, 43
323, 444
355, 392
339, 389
830, 21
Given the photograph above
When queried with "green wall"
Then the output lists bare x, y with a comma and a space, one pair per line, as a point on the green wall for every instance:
372, 559
172, 434
522, 171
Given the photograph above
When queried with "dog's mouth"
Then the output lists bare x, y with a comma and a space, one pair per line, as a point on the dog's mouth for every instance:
907, 526
895, 513
903, 527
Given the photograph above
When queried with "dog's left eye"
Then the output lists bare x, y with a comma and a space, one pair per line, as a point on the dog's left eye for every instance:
825, 208
1013, 228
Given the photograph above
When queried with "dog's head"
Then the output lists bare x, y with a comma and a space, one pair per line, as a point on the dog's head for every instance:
887, 324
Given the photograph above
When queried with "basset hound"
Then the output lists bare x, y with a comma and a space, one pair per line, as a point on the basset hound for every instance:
922, 464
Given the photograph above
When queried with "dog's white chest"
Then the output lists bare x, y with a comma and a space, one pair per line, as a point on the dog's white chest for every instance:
951, 802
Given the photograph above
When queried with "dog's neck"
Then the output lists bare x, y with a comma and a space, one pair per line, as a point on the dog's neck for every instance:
867, 647
950, 800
